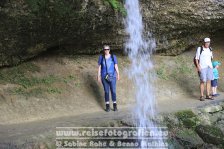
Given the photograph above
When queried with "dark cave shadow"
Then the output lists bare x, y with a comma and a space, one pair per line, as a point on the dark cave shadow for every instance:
192, 90
94, 88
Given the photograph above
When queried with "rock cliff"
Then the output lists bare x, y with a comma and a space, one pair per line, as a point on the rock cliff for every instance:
30, 27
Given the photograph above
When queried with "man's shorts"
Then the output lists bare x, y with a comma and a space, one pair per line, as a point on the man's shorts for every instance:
214, 83
206, 74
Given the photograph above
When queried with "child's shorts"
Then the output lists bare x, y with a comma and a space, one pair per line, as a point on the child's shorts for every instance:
214, 83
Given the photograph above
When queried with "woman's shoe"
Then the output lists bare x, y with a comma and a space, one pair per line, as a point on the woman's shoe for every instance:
107, 108
115, 106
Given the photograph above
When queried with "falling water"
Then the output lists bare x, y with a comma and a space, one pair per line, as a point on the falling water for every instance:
139, 49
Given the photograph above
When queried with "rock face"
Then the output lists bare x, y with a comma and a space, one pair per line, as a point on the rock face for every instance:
199, 128
210, 134
29, 27
178, 25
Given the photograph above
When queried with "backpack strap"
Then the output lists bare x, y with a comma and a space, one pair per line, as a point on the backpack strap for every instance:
112, 56
211, 51
105, 64
201, 50
103, 57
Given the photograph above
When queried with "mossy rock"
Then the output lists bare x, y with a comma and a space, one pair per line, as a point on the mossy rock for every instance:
188, 118
210, 134
173, 143
171, 121
117, 5
189, 138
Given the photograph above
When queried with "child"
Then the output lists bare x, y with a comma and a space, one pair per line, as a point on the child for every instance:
214, 82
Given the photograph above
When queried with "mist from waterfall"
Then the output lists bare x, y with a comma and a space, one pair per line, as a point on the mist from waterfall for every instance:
141, 71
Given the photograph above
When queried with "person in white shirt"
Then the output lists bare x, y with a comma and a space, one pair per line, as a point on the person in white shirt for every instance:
204, 58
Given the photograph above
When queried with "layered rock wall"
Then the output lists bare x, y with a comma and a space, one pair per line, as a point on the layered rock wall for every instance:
30, 27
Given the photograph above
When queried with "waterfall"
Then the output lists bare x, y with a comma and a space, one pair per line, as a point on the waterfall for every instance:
140, 49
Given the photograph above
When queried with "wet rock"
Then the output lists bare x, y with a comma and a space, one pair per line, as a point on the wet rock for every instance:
212, 109
222, 104
188, 118
220, 125
173, 143
171, 121
189, 139
210, 134
205, 118
217, 116
210, 146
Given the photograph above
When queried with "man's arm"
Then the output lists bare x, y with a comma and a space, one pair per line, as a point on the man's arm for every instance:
197, 64
197, 57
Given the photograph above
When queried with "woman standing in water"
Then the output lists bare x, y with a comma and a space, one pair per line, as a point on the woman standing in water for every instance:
108, 74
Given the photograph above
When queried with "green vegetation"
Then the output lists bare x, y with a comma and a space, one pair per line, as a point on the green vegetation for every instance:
188, 138
17, 74
36, 92
117, 6
188, 118
162, 73
35, 5
185, 114
33, 86
183, 65
69, 78
46, 7
54, 90
211, 134
181, 68
30, 85
185, 132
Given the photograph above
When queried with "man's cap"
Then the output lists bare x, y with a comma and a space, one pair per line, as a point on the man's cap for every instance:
207, 39
215, 63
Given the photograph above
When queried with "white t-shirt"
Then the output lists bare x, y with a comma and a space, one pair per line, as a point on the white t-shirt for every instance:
205, 57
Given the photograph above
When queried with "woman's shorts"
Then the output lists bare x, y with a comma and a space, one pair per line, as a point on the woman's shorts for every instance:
214, 83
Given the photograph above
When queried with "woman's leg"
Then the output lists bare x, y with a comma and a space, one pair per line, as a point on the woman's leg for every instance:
106, 87
113, 93
113, 90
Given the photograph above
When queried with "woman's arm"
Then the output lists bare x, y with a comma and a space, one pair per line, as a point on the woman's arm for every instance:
117, 70
99, 74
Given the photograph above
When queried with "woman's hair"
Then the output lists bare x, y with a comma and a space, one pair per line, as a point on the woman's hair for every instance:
106, 47
111, 52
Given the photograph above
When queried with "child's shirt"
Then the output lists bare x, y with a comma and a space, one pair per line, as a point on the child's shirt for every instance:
216, 73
